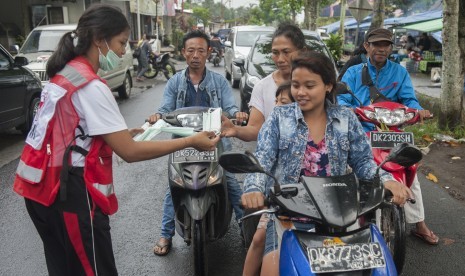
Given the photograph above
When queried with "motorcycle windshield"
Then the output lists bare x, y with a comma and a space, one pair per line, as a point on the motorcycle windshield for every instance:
329, 200
336, 198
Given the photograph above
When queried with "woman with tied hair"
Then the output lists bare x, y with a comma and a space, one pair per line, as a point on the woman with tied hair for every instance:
311, 137
65, 172
286, 43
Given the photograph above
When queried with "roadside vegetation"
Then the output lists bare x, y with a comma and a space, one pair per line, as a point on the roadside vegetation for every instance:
430, 130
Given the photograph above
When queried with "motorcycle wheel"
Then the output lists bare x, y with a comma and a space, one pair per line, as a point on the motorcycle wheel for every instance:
393, 226
200, 248
216, 61
151, 72
169, 70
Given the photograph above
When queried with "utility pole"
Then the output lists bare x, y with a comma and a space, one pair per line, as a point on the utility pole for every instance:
342, 20
138, 21
156, 18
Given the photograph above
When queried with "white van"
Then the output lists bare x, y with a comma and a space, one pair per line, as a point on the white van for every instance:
238, 45
42, 42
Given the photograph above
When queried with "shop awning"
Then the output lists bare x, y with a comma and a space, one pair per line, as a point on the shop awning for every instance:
437, 36
427, 26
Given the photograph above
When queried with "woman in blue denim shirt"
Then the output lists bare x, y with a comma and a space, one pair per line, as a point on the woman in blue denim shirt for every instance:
310, 137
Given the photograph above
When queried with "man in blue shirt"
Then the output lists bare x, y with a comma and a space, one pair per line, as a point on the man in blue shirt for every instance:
196, 86
392, 81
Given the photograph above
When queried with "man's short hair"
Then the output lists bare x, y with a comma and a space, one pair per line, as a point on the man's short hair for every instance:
195, 34
379, 34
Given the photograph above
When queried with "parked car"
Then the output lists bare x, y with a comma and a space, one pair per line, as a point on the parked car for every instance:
238, 45
20, 92
42, 42
259, 64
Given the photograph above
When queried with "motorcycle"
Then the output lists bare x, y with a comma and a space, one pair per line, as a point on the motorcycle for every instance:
198, 189
160, 63
389, 117
215, 57
319, 220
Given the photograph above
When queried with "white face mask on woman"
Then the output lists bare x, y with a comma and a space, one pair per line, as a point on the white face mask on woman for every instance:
109, 62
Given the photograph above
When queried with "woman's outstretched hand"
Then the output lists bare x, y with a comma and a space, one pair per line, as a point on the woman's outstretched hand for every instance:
203, 141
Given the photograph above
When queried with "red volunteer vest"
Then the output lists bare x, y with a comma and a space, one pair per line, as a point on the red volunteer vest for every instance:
53, 130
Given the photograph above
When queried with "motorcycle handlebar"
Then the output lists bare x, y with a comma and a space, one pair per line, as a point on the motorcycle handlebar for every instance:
388, 197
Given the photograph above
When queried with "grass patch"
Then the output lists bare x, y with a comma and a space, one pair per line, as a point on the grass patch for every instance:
427, 131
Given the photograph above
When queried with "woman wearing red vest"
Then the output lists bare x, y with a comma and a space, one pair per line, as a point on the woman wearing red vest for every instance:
65, 171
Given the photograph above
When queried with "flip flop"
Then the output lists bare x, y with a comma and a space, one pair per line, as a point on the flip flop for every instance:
430, 238
162, 246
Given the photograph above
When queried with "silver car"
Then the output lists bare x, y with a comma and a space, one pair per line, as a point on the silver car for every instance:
42, 42
238, 45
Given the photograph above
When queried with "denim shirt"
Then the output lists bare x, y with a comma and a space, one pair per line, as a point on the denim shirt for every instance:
283, 137
217, 88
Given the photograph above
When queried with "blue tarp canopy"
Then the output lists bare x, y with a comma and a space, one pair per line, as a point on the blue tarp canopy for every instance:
424, 16
351, 23
334, 27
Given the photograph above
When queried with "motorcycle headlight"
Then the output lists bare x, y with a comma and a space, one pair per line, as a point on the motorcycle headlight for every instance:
191, 120
215, 176
370, 114
252, 80
175, 176
392, 117
238, 54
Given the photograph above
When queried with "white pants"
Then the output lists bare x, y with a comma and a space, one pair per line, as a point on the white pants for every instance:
415, 212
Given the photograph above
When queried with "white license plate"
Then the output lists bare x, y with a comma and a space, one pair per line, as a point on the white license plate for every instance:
347, 257
191, 155
389, 139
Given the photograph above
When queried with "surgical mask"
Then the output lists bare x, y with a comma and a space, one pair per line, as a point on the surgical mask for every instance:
109, 62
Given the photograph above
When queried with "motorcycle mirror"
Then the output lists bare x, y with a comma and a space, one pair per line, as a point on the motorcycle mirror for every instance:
343, 88
405, 154
240, 162
245, 162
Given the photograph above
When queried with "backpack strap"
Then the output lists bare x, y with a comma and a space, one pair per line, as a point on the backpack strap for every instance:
375, 95
64, 173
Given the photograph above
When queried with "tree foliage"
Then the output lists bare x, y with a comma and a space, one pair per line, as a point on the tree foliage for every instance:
334, 44
203, 14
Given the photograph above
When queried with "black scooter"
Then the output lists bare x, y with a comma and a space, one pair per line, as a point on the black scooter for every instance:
198, 189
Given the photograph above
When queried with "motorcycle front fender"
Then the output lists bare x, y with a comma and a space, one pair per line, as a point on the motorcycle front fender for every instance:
198, 205
164, 58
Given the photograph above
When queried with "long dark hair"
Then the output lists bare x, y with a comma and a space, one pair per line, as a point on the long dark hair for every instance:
292, 32
100, 21
319, 64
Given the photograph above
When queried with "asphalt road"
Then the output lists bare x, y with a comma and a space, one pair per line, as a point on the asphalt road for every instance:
135, 228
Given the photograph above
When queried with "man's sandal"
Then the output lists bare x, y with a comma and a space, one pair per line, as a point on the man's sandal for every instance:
162, 247
429, 238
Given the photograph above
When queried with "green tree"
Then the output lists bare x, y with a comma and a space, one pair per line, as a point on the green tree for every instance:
202, 14
295, 7
378, 14
311, 11
452, 113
